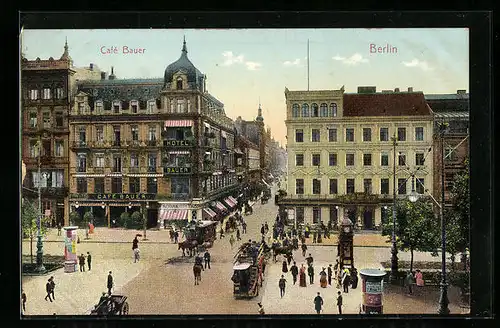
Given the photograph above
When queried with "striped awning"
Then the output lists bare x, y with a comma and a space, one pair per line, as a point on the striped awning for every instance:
90, 175
174, 215
233, 199
210, 213
179, 152
220, 206
145, 175
114, 175
178, 123
229, 202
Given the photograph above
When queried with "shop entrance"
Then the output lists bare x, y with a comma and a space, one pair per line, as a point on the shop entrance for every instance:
368, 219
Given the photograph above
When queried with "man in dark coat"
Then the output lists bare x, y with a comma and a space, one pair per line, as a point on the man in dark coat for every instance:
318, 303
48, 289
330, 274
206, 256
309, 259
110, 283
295, 272
354, 278
262, 230
282, 284
339, 302
89, 260
304, 248
52, 287
243, 227
266, 228
238, 236
81, 261
135, 243
346, 282
310, 272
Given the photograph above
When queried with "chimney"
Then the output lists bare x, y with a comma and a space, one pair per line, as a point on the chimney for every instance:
367, 89
410, 89
91, 67
396, 90
461, 92
103, 75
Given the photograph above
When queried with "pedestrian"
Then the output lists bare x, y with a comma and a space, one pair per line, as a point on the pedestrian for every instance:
231, 241
419, 278
323, 280
262, 230
261, 309
309, 259
176, 236
315, 236
266, 227
304, 249
89, 260
206, 256
59, 229
284, 267
354, 278
243, 227
339, 301
23, 299
302, 277
164, 224
318, 303
282, 284
289, 258
295, 271
346, 282
336, 267
52, 287
48, 289
221, 233
310, 272
409, 282
110, 283
81, 260
330, 274
135, 243
238, 236
137, 255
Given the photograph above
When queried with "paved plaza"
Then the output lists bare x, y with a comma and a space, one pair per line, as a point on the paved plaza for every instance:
154, 286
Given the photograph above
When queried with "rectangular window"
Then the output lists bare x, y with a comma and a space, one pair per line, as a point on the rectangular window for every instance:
58, 178
135, 133
419, 159
332, 159
152, 186
46, 120
47, 147
299, 160
116, 107
59, 119
99, 133
384, 134
315, 135
367, 159
152, 162
59, 148
419, 133
401, 186
117, 140
299, 214
33, 148
316, 159
333, 186
401, 134
299, 135
134, 105
332, 135
450, 154
384, 159
299, 186
384, 186
116, 185
81, 185
349, 135
333, 215
99, 160
134, 185
46, 93
33, 119
82, 163
367, 134
401, 159
316, 186
99, 107
99, 185
316, 215
180, 185
117, 164
367, 186
82, 135
152, 133
349, 159
151, 107
350, 186
59, 93
420, 185
134, 160
81, 108
34, 94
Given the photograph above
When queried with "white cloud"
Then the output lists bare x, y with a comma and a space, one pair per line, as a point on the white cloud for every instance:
252, 66
353, 60
420, 64
296, 62
231, 59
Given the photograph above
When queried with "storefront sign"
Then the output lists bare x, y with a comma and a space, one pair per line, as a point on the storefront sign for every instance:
177, 143
176, 170
114, 196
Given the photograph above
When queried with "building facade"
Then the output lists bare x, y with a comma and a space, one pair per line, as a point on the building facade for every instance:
340, 153
45, 103
247, 161
454, 110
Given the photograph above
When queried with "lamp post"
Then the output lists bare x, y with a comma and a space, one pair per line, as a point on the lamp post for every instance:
144, 216
39, 244
394, 249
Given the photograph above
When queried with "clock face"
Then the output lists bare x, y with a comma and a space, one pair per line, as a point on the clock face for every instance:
346, 229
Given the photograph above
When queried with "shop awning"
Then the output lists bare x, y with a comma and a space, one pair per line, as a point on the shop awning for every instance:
180, 152
178, 123
220, 206
209, 212
229, 202
174, 215
233, 200
145, 175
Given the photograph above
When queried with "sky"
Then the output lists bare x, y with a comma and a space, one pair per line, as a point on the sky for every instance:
248, 66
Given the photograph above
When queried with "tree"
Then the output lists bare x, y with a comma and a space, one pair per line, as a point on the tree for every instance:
29, 223
416, 227
125, 220
74, 218
136, 220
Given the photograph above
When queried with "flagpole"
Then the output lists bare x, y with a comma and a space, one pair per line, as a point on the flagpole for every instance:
307, 64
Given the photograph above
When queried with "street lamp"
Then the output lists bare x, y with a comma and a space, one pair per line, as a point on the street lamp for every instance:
394, 249
144, 220
413, 196
39, 244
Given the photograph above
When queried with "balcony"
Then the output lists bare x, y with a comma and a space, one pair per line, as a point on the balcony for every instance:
180, 197
151, 169
61, 191
135, 169
210, 135
98, 169
331, 199
116, 143
134, 144
153, 143
80, 145
81, 169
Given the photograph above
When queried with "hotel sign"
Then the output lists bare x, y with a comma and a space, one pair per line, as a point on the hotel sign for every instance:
115, 196
177, 143
176, 170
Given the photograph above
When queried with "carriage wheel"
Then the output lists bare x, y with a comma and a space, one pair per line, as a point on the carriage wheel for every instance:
125, 309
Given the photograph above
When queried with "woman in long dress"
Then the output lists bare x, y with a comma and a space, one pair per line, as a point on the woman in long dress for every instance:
323, 282
284, 269
419, 278
302, 276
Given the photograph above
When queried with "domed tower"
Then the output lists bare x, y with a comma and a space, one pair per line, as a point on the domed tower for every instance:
183, 75
65, 55
259, 117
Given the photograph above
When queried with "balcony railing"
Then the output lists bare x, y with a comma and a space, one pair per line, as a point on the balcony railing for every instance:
80, 144
345, 198
151, 169
116, 143
134, 169
81, 169
173, 197
153, 143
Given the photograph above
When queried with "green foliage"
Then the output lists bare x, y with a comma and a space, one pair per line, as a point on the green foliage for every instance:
75, 218
88, 217
29, 222
136, 220
125, 220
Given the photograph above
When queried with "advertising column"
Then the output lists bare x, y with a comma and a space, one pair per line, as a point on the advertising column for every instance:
372, 290
70, 241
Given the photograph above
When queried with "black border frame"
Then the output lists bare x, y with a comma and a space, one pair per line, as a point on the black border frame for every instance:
481, 134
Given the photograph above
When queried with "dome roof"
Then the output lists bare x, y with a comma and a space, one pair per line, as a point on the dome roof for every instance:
185, 65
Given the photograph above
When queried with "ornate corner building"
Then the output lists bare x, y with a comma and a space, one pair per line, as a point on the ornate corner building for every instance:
340, 153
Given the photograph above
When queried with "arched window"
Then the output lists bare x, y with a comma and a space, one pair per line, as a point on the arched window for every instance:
305, 110
179, 83
323, 110
314, 110
295, 110
333, 109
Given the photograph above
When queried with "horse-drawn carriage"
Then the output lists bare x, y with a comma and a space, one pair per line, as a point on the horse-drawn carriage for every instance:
198, 235
266, 194
111, 305
248, 270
